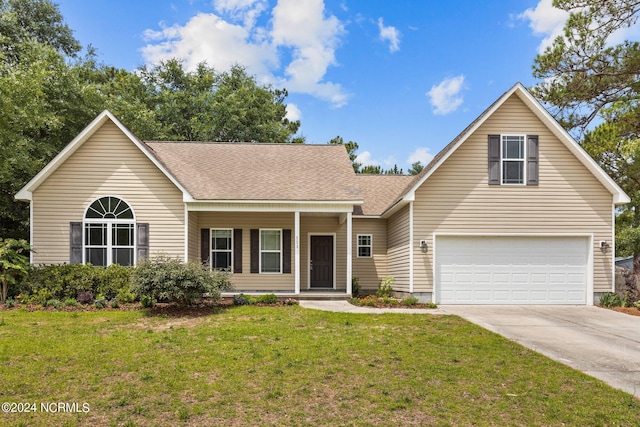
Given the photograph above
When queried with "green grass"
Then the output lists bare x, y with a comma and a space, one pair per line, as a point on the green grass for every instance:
289, 366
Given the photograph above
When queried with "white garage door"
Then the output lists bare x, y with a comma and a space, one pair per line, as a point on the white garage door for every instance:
511, 270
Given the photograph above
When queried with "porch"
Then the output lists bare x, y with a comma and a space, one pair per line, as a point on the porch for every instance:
303, 253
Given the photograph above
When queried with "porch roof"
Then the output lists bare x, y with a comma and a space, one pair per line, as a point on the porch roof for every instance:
260, 172
379, 192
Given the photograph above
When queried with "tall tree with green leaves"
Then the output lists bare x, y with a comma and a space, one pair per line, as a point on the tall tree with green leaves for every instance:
416, 168
589, 79
351, 147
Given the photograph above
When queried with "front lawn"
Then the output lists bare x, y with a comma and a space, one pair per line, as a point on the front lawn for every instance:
287, 366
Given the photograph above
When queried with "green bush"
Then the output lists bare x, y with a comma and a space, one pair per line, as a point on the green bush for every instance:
410, 301
241, 299
355, 287
267, 299
610, 299
169, 279
385, 288
147, 302
64, 281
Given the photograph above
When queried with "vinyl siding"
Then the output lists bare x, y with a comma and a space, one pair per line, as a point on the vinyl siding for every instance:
458, 199
108, 163
247, 281
398, 249
194, 237
309, 224
370, 270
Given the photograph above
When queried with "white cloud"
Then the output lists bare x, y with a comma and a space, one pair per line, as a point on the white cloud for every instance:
299, 30
245, 10
421, 155
313, 40
293, 112
389, 34
545, 20
365, 159
445, 97
207, 37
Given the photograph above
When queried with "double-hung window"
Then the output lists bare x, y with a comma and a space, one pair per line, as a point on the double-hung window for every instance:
512, 157
364, 245
221, 249
270, 251
109, 233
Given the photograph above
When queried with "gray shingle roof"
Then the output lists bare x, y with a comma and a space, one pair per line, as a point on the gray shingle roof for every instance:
256, 171
380, 191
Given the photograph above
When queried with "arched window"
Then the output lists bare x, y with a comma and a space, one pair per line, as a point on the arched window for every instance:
109, 233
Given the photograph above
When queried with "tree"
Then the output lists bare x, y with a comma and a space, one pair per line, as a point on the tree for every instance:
583, 73
416, 168
371, 169
587, 77
14, 263
40, 21
351, 147
394, 171
166, 102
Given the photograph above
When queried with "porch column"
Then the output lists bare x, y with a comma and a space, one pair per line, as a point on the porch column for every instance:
297, 251
349, 252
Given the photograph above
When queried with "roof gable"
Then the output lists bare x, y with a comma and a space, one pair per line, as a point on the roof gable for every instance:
26, 192
619, 196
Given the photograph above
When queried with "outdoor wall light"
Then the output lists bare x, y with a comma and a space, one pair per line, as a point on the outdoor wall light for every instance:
424, 246
604, 246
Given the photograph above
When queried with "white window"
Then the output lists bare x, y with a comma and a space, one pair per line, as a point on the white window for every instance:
221, 249
270, 251
365, 247
109, 233
512, 159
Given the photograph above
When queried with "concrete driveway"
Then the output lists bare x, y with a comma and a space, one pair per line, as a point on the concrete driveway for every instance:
596, 341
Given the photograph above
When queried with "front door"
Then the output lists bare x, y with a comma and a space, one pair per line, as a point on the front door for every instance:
321, 268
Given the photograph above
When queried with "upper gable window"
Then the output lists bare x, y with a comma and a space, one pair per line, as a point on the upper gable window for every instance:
513, 159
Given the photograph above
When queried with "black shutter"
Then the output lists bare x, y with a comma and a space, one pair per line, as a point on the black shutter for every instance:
205, 241
494, 159
255, 251
75, 243
142, 240
532, 160
286, 251
237, 250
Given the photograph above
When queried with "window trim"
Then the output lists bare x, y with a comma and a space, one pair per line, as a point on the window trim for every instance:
370, 245
261, 251
523, 160
212, 250
109, 223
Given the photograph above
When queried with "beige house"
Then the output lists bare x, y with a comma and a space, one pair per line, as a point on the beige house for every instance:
513, 211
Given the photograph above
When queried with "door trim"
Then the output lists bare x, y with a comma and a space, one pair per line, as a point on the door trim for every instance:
333, 235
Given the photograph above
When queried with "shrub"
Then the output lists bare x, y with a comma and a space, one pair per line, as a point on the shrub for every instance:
147, 302
431, 305
85, 297
125, 296
169, 279
610, 299
65, 281
100, 303
114, 303
240, 299
70, 302
267, 299
385, 288
355, 287
410, 301
10, 302
291, 301
14, 264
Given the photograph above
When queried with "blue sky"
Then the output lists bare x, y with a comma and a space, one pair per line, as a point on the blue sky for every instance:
402, 78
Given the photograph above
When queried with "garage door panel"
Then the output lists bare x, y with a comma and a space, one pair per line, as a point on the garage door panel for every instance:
511, 270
